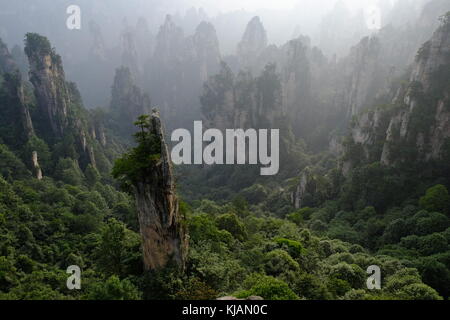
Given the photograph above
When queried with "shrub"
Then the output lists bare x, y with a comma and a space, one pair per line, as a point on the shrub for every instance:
268, 288
114, 289
231, 223
436, 199
279, 262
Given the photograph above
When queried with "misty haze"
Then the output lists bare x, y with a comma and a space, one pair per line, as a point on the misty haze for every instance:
320, 171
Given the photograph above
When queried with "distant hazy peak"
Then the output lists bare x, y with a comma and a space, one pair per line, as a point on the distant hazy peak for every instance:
253, 42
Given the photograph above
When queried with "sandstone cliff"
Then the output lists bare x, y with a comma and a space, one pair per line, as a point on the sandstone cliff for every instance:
7, 64
366, 73
415, 125
252, 44
60, 114
127, 101
161, 224
425, 100
178, 68
48, 79
14, 91
242, 101
205, 50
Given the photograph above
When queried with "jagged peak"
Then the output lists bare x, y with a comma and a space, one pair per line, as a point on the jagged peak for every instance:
445, 19
255, 33
433, 54
369, 44
253, 43
205, 27
169, 33
127, 99
341, 8
152, 182
35, 44
7, 63
255, 21
168, 22
206, 33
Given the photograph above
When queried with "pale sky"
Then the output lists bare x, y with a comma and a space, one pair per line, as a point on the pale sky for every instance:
253, 5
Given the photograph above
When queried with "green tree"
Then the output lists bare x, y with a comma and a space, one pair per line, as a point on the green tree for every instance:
92, 175
407, 284
338, 287
351, 273
436, 275
231, 223
113, 289
279, 262
68, 171
432, 243
139, 162
195, 289
269, 288
311, 287
419, 291
436, 199
118, 250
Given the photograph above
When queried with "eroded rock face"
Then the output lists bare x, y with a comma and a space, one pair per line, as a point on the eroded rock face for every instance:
433, 55
7, 63
14, 88
48, 79
98, 48
242, 101
37, 169
425, 100
206, 50
25, 113
305, 73
169, 42
300, 190
59, 102
432, 63
363, 67
311, 184
128, 102
130, 57
369, 69
178, 69
161, 224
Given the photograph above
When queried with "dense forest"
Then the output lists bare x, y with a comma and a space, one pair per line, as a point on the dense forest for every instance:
364, 165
